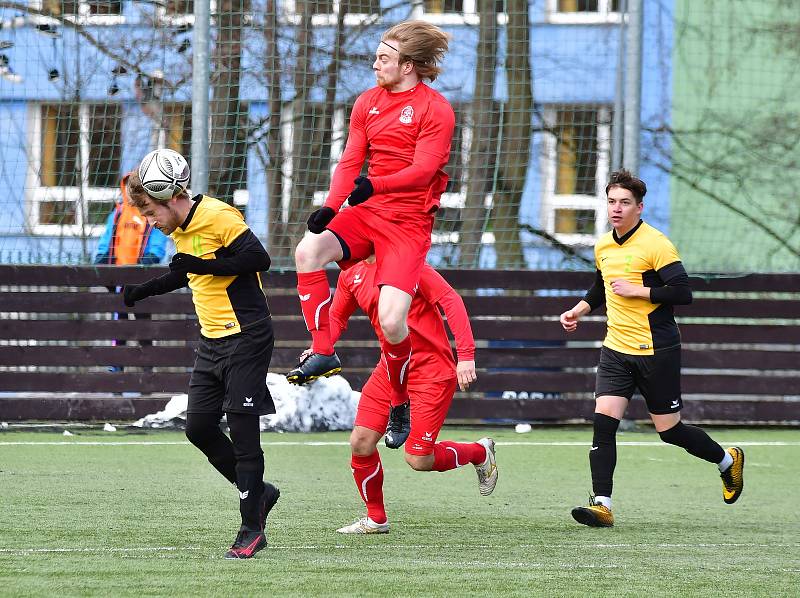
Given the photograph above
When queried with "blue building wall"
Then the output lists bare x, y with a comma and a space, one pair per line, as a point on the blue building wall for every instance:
570, 63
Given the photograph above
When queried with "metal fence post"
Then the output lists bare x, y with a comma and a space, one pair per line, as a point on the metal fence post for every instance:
200, 86
633, 87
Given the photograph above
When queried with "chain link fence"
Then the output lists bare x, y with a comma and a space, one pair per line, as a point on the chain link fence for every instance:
87, 87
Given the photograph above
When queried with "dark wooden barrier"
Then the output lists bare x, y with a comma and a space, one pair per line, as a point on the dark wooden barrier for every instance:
58, 328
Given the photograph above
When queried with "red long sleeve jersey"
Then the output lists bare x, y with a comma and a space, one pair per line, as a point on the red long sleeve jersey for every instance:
406, 137
431, 355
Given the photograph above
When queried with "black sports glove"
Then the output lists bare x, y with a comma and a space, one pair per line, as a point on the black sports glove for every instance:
131, 293
319, 219
183, 263
361, 192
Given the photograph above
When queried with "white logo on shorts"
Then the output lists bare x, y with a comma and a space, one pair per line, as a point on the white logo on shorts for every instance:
305, 297
248, 402
406, 114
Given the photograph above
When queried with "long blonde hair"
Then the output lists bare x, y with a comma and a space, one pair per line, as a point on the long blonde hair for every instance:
421, 43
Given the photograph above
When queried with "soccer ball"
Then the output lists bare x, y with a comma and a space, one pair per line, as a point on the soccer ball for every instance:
164, 173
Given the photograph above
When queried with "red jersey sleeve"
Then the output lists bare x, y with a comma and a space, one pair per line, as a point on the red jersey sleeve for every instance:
439, 292
353, 156
431, 152
342, 307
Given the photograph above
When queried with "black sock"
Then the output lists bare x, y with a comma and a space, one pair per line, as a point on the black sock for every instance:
202, 430
603, 455
246, 438
694, 441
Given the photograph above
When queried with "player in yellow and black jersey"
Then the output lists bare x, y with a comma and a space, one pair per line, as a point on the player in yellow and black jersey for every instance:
220, 258
639, 278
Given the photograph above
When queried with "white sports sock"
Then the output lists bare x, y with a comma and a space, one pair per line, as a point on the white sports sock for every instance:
603, 500
726, 462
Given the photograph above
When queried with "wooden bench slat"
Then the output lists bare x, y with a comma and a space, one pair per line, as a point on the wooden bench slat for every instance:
103, 302
517, 381
460, 279
502, 321
462, 409
359, 329
367, 357
145, 383
530, 307
764, 410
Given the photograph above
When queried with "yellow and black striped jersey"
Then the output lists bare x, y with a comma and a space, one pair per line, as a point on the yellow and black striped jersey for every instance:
644, 256
224, 304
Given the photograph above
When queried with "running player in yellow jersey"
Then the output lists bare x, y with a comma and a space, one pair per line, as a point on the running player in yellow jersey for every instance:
639, 278
220, 258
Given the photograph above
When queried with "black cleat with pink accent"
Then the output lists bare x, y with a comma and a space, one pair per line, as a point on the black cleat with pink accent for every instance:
247, 543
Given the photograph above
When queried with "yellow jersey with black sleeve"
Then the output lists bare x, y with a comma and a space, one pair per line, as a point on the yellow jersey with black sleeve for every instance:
225, 305
644, 256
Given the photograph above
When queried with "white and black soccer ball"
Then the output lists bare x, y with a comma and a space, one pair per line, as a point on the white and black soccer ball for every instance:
164, 173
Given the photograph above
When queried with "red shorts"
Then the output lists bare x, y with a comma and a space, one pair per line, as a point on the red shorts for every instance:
400, 243
430, 401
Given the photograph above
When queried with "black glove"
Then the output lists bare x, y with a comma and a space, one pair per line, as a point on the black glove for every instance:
131, 293
183, 263
361, 192
319, 219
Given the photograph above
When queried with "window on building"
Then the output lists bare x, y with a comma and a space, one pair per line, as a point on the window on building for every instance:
588, 5
583, 11
576, 164
179, 8
449, 217
180, 13
79, 160
440, 12
96, 11
325, 13
320, 145
576, 155
347, 7
177, 126
454, 12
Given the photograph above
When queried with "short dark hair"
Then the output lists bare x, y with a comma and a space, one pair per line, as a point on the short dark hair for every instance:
623, 178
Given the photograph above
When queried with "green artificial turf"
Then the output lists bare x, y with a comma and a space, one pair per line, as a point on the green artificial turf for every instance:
154, 519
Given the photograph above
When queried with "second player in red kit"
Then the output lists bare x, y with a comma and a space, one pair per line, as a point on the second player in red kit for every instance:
403, 129
432, 382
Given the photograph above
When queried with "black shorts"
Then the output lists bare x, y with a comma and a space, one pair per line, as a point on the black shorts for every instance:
230, 373
658, 378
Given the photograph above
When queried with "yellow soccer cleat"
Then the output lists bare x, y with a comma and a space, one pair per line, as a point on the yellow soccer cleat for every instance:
595, 515
732, 478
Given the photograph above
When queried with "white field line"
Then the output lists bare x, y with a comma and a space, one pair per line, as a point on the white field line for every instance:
98, 549
384, 546
344, 443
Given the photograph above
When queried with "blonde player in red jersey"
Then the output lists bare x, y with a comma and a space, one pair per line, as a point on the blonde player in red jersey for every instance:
403, 128
432, 382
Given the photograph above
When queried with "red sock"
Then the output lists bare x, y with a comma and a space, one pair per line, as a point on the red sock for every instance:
448, 455
368, 474
397, 359
315, 301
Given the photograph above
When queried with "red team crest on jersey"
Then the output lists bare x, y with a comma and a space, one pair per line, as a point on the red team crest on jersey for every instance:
406, 114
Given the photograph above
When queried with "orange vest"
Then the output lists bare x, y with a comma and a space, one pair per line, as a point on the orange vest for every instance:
131, 231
